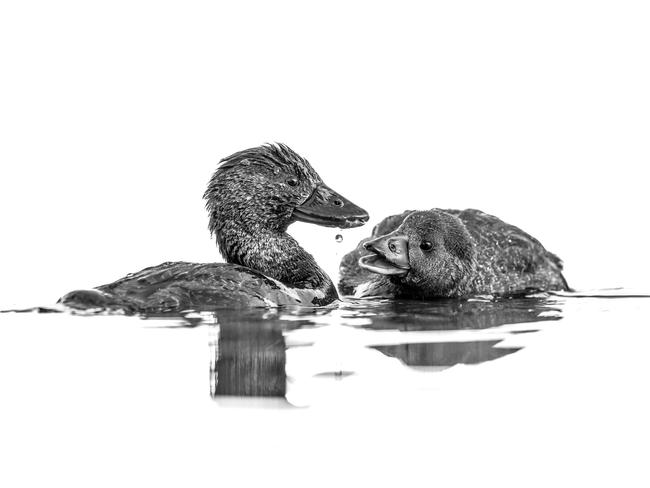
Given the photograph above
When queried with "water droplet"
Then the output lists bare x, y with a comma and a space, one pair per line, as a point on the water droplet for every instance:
338, 238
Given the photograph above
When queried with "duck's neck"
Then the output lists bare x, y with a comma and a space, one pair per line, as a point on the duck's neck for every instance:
275, 254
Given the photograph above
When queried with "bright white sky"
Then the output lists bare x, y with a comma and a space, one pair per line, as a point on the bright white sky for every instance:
114, 115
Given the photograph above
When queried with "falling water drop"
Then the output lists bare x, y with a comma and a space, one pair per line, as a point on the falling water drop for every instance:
338, 238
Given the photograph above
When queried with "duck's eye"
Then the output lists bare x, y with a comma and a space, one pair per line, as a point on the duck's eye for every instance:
292, 182
426, 245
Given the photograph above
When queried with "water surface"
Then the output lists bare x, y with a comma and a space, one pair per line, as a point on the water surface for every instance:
385, 392
284, 352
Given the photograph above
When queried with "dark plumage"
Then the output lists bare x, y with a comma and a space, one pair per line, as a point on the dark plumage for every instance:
449, 253
253, 196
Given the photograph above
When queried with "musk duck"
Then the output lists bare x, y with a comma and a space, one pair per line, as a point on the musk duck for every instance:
252, 198
449, 253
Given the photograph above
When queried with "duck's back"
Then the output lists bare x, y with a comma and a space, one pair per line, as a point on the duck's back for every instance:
508, 259
178, 286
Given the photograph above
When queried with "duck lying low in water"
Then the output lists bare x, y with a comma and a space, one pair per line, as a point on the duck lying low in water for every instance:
449, 253
252, 198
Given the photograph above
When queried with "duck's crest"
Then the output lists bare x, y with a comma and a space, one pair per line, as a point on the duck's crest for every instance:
274, 154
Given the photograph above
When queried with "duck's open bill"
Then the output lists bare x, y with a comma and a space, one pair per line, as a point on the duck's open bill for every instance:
328, 208
391, 255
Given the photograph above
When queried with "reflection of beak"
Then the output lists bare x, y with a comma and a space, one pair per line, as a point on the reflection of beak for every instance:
391, 255
328, 208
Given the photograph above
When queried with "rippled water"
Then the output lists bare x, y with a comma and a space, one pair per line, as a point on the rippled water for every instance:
269, 385
294, 353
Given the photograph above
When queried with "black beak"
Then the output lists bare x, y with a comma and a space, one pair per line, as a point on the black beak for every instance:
328, 208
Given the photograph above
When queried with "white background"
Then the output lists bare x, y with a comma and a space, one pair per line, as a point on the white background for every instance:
113, 116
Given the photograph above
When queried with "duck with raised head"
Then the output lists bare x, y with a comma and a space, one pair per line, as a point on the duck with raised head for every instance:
449, 253
252, 198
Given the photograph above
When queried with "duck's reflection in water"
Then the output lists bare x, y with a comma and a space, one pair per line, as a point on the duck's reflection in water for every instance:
249, 356
445, 354
411, 315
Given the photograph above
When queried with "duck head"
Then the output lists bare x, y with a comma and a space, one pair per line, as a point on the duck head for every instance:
430, 253
270, 187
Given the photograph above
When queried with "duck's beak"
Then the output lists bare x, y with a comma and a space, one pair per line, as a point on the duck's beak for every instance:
328, 208
391, 255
